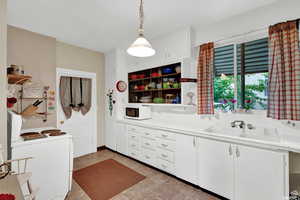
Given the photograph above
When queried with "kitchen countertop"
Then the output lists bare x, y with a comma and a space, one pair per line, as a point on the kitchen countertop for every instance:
268, 141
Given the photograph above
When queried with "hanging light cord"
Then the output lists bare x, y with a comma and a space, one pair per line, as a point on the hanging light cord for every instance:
141, 15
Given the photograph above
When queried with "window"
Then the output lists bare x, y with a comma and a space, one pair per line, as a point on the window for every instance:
252, 64
252, 75
224, 77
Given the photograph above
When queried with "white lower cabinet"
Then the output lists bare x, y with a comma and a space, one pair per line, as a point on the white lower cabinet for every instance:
186, 158
216, 167
240, 172
260, 174
236, 172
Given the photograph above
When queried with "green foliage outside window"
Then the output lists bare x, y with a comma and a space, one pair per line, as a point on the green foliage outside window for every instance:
224, 92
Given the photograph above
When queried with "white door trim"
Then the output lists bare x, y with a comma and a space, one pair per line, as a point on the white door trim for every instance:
80, 74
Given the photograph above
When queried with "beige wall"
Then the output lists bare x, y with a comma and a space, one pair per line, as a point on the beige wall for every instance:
41, 55
76, 58
37, 54
3, 130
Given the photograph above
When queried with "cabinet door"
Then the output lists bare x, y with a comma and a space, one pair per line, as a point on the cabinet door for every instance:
186, 158
260, 174
216, 167
121, 139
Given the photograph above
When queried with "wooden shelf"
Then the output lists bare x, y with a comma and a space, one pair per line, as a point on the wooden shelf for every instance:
17, 79
157, 90
162, 76
35, 98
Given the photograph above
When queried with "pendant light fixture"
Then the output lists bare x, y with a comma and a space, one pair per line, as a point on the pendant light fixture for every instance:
141, 47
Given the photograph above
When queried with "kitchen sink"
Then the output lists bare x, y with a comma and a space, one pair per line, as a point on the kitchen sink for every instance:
256, 134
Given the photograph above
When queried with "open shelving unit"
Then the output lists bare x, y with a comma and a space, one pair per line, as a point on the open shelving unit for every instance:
161, 84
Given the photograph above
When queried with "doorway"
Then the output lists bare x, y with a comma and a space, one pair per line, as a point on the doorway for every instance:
83, 128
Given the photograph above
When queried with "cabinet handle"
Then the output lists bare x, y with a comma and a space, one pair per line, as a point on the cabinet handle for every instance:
237, 152
133, 145
164, 145
147, 157
164, 135
163, 155
230, 150
147, 133
133, 154
132, 136
147, 144
194, 141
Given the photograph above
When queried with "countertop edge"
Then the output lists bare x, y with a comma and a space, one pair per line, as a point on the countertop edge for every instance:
232, 139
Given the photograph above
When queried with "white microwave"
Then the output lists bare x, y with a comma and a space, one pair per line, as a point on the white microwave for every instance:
138, 112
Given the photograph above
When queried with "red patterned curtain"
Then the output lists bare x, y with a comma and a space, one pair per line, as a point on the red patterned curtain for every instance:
205, 79
284, 72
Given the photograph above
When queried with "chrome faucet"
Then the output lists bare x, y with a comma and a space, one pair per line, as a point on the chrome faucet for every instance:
241, 125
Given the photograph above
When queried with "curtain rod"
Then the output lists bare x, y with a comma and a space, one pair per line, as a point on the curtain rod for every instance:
249, 32
241, 34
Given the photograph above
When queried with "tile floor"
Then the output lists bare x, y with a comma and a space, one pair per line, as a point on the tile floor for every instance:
156, 185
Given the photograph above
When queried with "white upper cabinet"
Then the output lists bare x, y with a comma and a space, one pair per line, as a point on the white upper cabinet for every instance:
260, 174
186, 158
216, 167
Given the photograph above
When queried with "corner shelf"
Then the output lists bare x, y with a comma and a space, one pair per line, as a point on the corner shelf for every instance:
17, 79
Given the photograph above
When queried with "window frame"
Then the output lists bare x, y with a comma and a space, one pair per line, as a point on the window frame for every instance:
235, 44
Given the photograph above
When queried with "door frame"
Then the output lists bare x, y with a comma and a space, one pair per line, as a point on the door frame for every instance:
80, 74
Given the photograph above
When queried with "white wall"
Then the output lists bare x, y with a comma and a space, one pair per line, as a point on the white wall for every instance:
3, 81
260, 18
110, 77
115, 69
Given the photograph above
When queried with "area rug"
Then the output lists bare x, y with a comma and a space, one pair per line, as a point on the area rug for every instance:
106, 179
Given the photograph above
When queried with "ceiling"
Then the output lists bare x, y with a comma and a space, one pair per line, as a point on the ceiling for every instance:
105, 24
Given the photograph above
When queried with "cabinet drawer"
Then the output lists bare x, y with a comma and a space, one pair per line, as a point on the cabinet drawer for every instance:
165, 135
166, 155
133, 136
134, 153
149, 157
148, 143
132, 144
165, 166
148, 133
167, 145
133, 128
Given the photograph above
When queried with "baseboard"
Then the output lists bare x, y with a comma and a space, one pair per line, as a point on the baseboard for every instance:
101, 148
